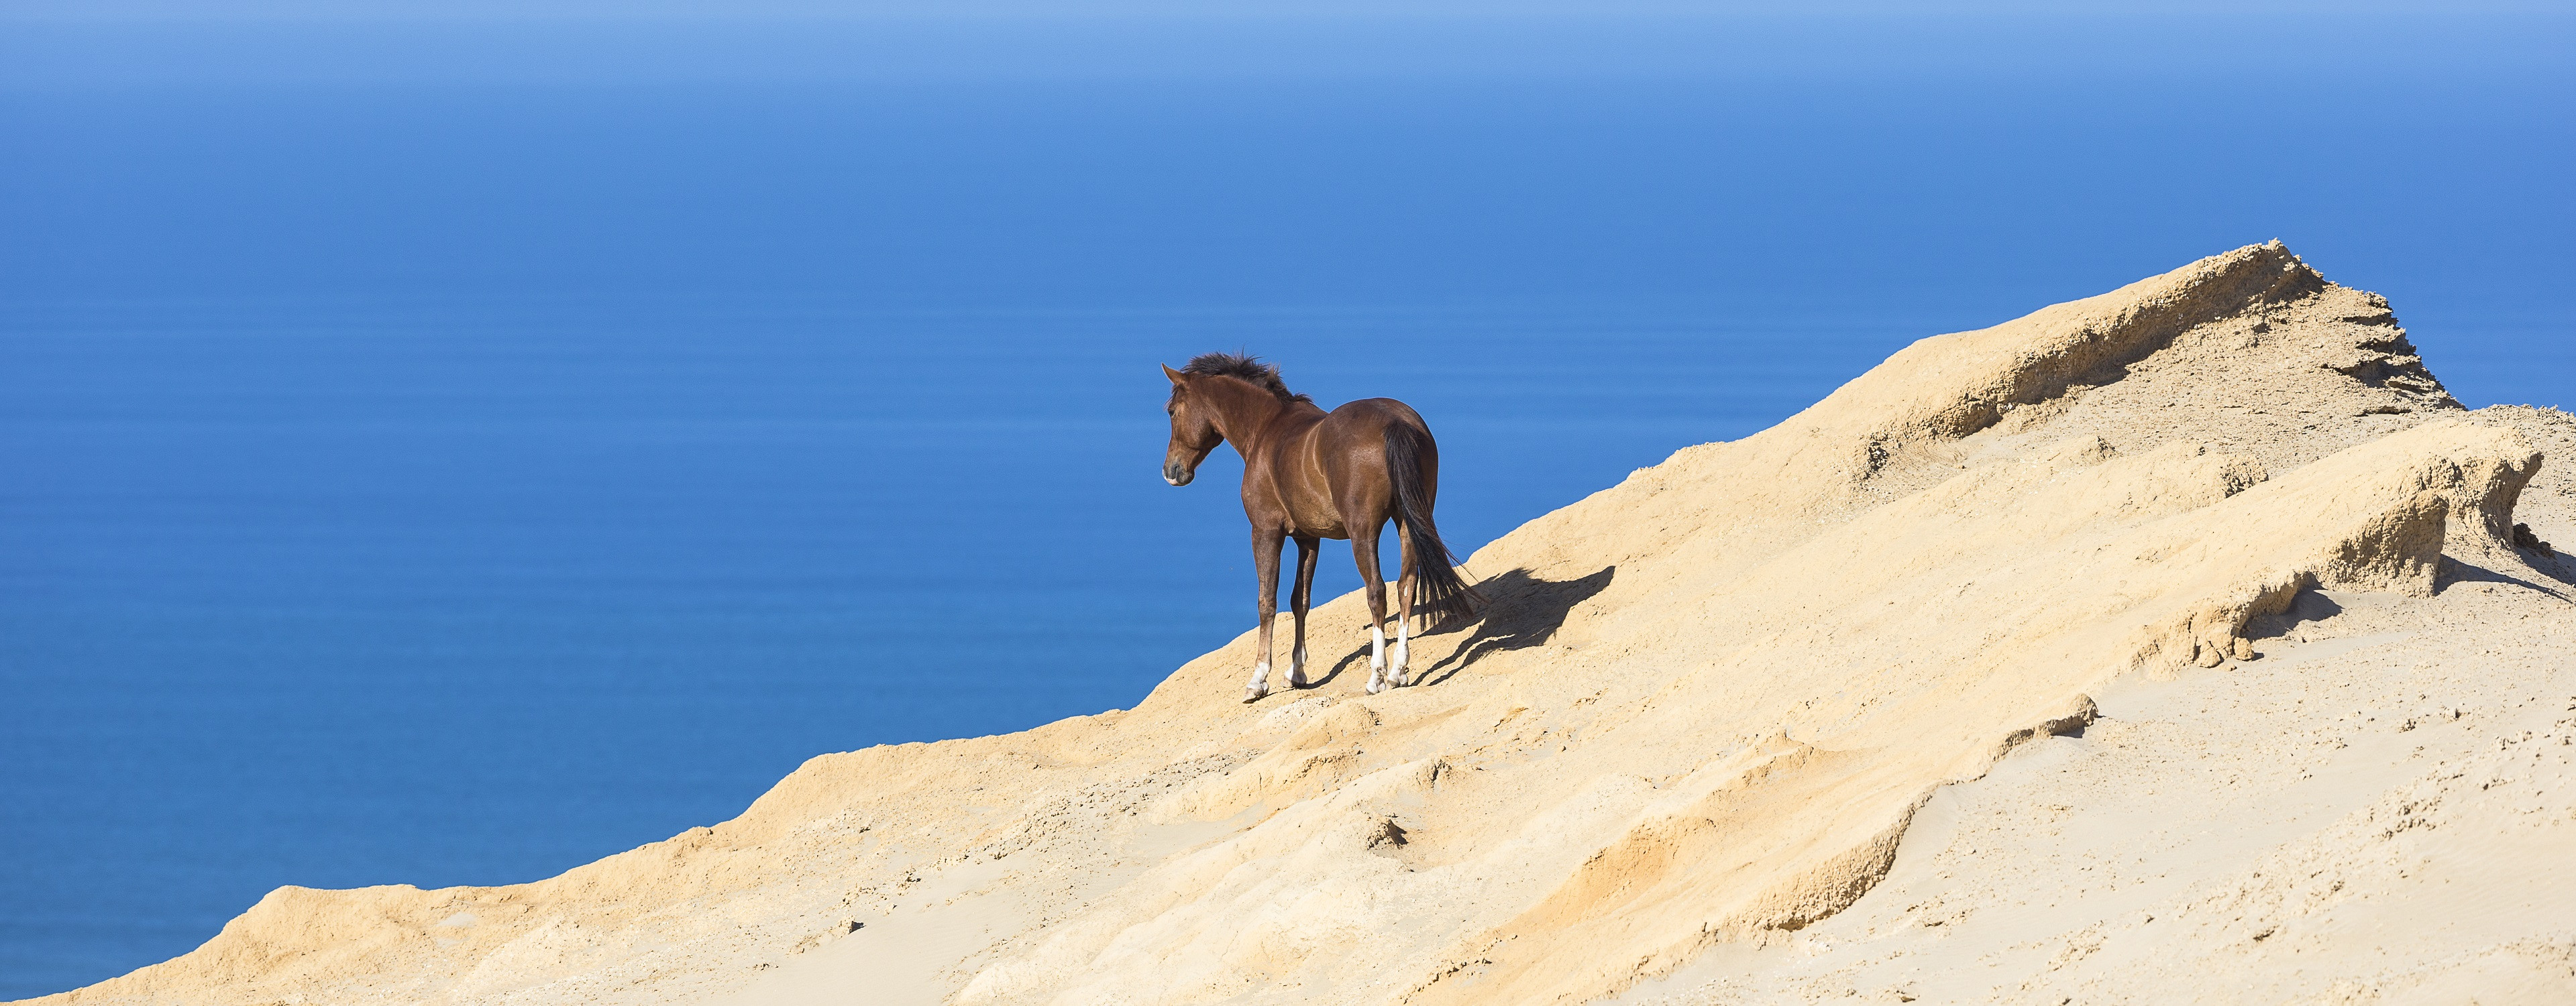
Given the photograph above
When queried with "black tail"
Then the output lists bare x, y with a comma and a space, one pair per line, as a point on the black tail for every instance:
1438, 591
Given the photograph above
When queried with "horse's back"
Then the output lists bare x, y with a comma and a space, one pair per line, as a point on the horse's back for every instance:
1326, 473
1351, 446
1359, 427
1378, 413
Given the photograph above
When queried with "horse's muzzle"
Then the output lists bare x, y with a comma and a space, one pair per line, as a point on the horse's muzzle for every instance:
1178, 475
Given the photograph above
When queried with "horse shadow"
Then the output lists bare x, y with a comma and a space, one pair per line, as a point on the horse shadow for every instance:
1521, 611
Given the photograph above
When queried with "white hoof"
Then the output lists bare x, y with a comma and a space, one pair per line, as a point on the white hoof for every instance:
1254, 694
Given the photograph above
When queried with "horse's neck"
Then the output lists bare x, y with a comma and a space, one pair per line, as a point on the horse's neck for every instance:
1244, 414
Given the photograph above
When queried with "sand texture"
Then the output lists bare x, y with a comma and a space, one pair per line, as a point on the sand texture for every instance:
2174, 644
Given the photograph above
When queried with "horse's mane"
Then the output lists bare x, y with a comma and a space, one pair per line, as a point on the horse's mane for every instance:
1250, 368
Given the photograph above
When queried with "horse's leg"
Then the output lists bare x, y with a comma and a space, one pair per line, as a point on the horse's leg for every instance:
1299, 598
1265, 565
1364, 551
1400, 673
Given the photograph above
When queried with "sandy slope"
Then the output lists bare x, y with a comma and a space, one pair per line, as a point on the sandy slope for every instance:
2173, 640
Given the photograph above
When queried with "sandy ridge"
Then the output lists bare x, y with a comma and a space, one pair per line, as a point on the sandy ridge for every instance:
1707, 711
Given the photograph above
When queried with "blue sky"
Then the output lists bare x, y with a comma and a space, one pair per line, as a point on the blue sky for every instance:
1163, 153
58, 44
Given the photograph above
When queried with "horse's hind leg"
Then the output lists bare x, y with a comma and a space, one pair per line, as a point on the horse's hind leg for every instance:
1372, 584
1265, 565
1300, 598
1399, 671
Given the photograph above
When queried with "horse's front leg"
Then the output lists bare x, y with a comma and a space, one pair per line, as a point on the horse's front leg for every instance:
1300, 598
1265, 566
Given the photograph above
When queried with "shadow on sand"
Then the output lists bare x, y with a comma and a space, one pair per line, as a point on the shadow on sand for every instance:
1522, 611
2454, 571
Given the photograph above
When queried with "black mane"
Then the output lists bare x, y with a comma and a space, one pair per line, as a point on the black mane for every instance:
1250, 368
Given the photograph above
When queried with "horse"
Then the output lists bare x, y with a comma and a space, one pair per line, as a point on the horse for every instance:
1309, 475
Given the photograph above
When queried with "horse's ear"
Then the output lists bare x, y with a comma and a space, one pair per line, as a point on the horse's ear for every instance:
1177, 379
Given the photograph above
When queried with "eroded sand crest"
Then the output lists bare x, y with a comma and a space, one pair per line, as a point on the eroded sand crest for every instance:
1709, 729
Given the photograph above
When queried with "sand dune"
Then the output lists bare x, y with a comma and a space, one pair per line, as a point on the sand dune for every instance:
2178, 642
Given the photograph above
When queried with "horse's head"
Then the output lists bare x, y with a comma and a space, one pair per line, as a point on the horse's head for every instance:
1194, 432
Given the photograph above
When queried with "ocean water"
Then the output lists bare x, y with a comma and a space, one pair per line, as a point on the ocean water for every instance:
377, 601
456, 482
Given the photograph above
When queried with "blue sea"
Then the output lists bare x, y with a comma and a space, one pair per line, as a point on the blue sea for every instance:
449, 455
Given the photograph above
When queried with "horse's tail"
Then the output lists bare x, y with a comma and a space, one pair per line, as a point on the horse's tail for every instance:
1438, 590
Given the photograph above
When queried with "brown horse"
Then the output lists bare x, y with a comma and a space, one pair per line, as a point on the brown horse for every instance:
1308, 475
